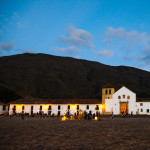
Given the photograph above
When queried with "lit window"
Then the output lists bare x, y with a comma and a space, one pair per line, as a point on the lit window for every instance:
128, 97
123, 96
141, 104
147, 110
119, 97
141, 110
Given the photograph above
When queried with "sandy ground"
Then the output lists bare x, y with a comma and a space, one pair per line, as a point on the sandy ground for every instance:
52, 133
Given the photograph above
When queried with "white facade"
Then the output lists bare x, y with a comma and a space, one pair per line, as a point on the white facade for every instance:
3, 108
126, 97
54, 108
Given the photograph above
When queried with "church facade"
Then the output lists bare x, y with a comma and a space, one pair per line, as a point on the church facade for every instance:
123, 101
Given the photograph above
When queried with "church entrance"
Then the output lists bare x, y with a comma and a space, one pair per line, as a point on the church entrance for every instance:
123, 108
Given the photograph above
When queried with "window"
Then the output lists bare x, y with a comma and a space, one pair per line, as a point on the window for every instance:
40, 108
109, 91
119, 97
68, 106
141, 104
106, 92
147, 110
49, 108
4, 107
97, 107
128, 97
123, 96
58, 113
141, 110
22, 107
77, 107
58, 107
87, 106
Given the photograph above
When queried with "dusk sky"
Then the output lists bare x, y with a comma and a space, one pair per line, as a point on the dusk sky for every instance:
113, 32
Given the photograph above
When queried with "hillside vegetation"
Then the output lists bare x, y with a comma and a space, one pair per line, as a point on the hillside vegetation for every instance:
46, 76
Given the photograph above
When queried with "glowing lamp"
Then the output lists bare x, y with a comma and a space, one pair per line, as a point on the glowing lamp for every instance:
18, 106
73, 106
64, 118
95, 118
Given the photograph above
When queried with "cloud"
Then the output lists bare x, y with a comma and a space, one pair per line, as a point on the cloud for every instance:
134, 46
77, 37
67, 50
129, 40
9, 48
6, 46
105, 53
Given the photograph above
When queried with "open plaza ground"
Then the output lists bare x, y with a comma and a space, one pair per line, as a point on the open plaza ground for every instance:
39, 133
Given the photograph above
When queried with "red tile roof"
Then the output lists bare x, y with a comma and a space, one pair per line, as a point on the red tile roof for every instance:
108, 85
56, 101
1, 103
142, 99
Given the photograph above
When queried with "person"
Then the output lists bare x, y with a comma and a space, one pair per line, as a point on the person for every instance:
112, 115
99, 116
22, 116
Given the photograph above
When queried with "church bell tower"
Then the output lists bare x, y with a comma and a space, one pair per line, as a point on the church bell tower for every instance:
107, 92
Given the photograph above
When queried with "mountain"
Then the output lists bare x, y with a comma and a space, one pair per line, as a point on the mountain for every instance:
46, 76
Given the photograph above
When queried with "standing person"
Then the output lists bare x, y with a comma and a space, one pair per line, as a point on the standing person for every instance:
99, 116
112, 115
22, 116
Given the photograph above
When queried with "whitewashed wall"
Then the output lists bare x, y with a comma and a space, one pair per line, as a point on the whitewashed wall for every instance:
145, 108
131, 102
3, 111
54, 108
109, 105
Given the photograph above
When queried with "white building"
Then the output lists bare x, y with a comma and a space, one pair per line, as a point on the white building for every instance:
55, 106
125, 101
122, 101
4, 109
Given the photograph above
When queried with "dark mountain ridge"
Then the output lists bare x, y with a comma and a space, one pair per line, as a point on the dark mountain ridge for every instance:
46, 76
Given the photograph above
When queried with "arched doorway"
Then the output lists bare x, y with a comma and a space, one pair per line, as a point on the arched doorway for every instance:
123, 107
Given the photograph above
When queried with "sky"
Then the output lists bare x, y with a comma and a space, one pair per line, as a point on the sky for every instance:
112, 32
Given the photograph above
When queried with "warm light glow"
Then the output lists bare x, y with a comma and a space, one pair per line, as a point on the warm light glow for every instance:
101, 106
18, 106
95, 118
64, 117
73, 106
45, 106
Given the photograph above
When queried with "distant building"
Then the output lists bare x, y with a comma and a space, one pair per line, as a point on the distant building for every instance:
55, 106
4, 109
123, 101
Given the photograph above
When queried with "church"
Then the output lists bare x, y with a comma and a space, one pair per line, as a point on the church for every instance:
122, 101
